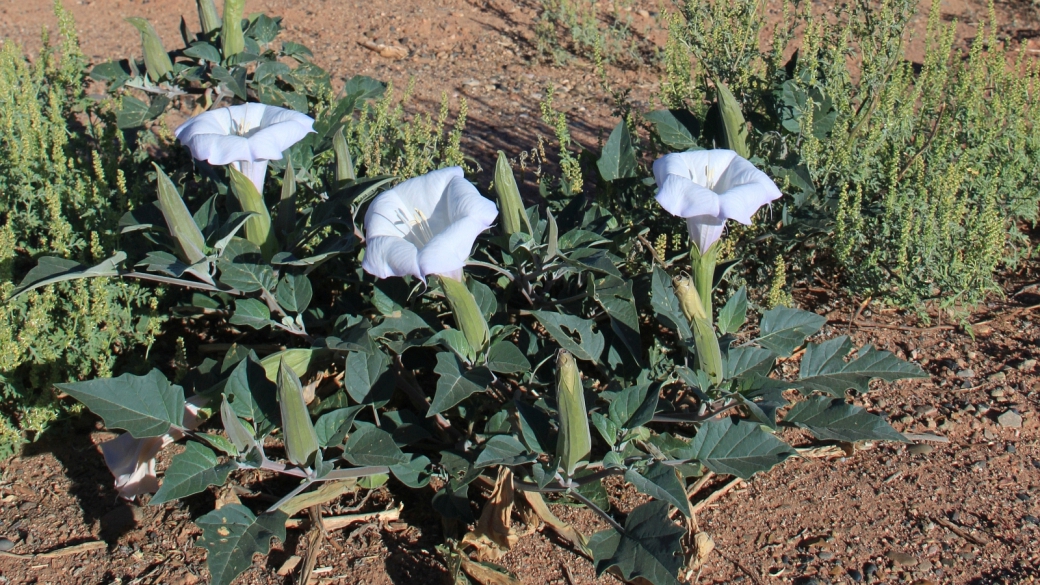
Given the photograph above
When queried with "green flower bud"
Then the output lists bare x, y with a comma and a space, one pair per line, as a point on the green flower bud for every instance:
575, 441
208, 16
301, 441
156, 60
468, 317
510, 206
258, 227
232, 37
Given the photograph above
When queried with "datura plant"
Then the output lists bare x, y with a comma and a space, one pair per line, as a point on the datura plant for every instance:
409, 332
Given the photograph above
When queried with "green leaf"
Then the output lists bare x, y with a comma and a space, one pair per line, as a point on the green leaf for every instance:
634, 407
534, 426
607, 428
370, 445
678, 129
231, 35
252, 396
132, 112
301, 441
247, 277
740, 448
783, 330
235, 80
484, 296
650, 549
144, 406
414, 474
179, 221
733, 124
754, 361
831, 419
660, 482
332, 427
232, 535
503, 450
242, 438
454, 386
264, 29
294, 293
590, 345
666, 304
301, 361
251, 313
258, 227
618, 160
506, 358
203, 51
368, 378
191, 472
50, 270
824, 367
453, 503
733, 314
156, 60
615, 296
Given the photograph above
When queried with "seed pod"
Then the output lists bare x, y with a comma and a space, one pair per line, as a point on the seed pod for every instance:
510, 206
179, 221
575, 441
467, 314
301, 441
208, 16
709, 355
233, 40
258, 228
156, 60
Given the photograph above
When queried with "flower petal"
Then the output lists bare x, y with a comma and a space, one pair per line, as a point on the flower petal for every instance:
683, 198
426, 193
697, 165
388, 216
387, 256
705, 230
464, 201
132, 462
279, 130
218, 149
743, 189
446, 252
245, 132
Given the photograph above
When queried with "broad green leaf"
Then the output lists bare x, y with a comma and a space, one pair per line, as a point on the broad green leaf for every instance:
231, 34
370, 445
784, 329
618, 160
748, 360
733, 124
678, 129
294, 293
247, 277
144, 406
666, 304
414, 474
332, 427
831, 419
503, 450
232, 535
484, 296
634, 407
534, 427
251, 313
454, 503
740, 448
607, 428
302, 361
510, 205
241, 437
591, 343
824, 367
301, 441
660, 482
368, 378
455, 341
179, 221
50, 270
650, 549
574, 442
454, 386
733, 314
132, 113
506, 358
203, 51
156, 59
615, 296
252, 396
263, 29
258, 227
191, 472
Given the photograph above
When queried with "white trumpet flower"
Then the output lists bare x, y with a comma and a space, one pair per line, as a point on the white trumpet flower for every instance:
245, 136
707, 187
425, 226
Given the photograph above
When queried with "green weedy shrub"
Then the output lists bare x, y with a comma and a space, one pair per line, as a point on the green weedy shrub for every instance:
58, 195
919, 174
569, 28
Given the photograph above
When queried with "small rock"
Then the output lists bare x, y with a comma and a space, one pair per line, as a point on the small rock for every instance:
643, 13
836, 571
996, 393
966, 374
825, 556
947, 561
1010, 448
923, 582
978, 466
926, 411
1027, 366
856, 576
997, 378
924, 565
869, 569
1010, 420
900, 559
1030, 519
920, 449
6, 545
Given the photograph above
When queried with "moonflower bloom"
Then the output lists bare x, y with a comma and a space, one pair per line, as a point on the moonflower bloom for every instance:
245, 136
426, 225
707, 187
132, 461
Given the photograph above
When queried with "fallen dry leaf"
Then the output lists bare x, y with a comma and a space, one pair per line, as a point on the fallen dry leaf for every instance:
485, 575
566, 531
703, 545
493, 535
388, 51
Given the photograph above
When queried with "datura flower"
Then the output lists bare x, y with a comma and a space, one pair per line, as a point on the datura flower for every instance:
425, 226
132, 461
245, 136
707, 187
